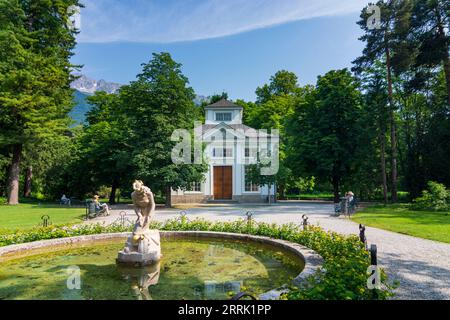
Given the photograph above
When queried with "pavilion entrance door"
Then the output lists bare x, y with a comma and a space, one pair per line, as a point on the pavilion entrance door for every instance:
223, 183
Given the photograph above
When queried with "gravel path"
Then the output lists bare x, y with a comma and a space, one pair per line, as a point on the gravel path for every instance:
422, 267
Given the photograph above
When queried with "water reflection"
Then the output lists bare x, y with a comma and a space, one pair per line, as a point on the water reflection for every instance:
214, 288
141, 279
188, 270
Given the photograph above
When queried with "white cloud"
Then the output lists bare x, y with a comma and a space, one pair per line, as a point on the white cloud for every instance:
187, 20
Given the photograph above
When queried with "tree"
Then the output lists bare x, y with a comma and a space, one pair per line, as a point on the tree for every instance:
282, 83
374, 83
35, 96
437, 133
217, 97
429, 27
380, 43
106, 144
42, 157
157, 103
274, 106
327, 129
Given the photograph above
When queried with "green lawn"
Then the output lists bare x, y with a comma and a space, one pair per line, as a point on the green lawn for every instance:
402, 196
399, 218
28, 215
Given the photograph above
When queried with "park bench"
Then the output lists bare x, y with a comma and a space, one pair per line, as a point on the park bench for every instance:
92, 211
72, 201
65, 202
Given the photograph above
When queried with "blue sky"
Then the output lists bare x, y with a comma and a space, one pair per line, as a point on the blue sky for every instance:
226, 45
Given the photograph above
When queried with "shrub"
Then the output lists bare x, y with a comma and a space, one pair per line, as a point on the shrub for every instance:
343, 275
435, 198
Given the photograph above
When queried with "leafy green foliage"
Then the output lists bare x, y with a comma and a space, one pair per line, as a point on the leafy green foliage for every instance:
327, 129
273, 109
157, 103
343, 275
283, 83
35, 96
437, 197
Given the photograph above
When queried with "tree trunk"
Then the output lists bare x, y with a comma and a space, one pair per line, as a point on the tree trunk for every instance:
393, 128
14, 175
282, 195
337, 197
112, 196
382, 138
28, 180
168, 197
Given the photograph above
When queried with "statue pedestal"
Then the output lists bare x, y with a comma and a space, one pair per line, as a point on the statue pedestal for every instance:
142, 248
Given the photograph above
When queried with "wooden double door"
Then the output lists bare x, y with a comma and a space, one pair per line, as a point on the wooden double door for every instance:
223, 183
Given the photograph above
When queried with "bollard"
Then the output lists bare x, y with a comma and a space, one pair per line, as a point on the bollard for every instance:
183, 216
45, 220
305, 222
362, 235
122, 218
373, 254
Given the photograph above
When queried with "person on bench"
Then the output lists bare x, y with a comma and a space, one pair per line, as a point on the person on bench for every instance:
64, 200
100, 207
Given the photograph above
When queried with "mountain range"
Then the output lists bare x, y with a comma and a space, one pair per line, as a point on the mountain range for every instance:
85, 87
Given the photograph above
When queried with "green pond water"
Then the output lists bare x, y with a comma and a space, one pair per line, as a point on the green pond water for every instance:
189, 269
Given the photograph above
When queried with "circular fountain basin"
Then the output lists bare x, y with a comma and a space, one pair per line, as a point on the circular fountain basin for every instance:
195, 265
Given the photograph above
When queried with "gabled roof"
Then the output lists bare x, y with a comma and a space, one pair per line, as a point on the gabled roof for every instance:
239, 130
223, 103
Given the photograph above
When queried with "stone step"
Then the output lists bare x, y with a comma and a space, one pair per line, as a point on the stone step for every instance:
222, 201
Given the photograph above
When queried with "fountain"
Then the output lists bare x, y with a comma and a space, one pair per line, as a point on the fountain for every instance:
196, 264
143, 246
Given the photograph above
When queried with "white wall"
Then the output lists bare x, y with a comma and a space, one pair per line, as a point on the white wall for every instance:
238, 147
236, 116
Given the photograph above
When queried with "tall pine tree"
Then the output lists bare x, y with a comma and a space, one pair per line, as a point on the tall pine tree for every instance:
380, 43
35, 96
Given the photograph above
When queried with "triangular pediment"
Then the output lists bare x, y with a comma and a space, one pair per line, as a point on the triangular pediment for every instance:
215, 130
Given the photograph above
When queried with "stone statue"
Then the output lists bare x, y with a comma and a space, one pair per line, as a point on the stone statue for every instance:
144, 203
143, 246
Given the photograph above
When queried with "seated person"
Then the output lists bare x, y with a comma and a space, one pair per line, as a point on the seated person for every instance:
100, 206
64, 200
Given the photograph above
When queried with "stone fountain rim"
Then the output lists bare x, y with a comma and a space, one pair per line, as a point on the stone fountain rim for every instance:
312, 260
